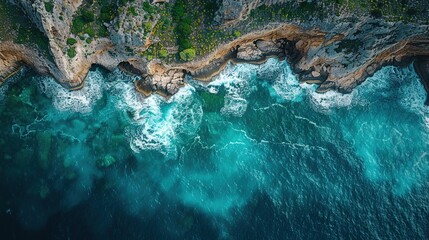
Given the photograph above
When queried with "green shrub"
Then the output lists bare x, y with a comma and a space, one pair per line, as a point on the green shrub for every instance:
89, 30
184, 43
71, 52
178, 11
124, 2
103, 31
71, 41
87, 16
147, 7
107, 13
237, 33
49, 6
133, 11
77, 25
376, 13
147, 27
187, 54
163, 53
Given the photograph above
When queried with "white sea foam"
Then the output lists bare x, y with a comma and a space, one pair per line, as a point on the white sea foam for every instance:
187, 112
234, 106
126, 97
81, 100
288, 88
161, 124
284, 83
412, 94
239, 81
236, 79
121, 87
329, 100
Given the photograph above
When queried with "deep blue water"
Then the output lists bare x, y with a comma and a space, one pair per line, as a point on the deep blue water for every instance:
252, 155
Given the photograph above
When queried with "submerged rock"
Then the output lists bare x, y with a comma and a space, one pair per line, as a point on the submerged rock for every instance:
107, 161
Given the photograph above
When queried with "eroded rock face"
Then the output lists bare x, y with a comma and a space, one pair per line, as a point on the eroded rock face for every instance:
69, 72
164, 80
250, 52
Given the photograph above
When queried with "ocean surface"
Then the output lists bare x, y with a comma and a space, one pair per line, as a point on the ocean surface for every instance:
251, 155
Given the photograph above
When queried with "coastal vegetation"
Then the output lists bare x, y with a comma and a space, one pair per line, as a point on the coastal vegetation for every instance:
49, 6
184, 30
93, 15
71, 52
71, 41
189, 25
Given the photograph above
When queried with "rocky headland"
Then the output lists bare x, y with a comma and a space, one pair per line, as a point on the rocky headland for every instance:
337, 51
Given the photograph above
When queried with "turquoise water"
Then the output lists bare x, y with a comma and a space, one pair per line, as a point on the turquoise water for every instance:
253, 154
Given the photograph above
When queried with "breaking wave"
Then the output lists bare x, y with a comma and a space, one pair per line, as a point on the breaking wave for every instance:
81, 100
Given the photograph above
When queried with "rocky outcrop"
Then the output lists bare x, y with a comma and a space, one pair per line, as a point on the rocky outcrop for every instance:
166, 81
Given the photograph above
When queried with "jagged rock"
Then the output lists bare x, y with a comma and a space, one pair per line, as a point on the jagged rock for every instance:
249, 52
268, 47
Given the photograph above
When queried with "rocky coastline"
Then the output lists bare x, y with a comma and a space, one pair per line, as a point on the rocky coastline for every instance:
337, 56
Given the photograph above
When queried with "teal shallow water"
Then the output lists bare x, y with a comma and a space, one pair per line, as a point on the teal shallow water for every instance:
253, 154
